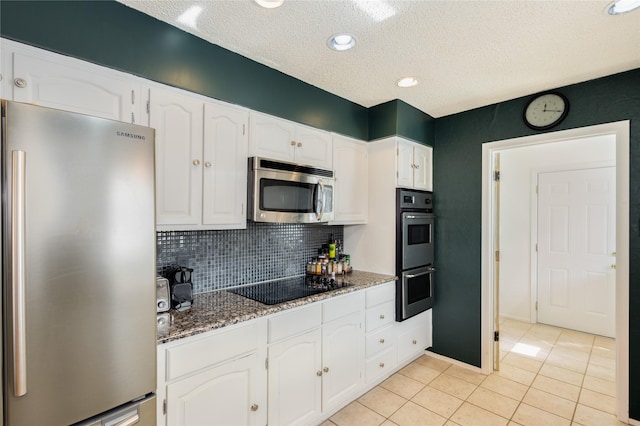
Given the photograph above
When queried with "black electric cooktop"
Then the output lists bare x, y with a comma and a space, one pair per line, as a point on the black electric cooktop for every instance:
287, 289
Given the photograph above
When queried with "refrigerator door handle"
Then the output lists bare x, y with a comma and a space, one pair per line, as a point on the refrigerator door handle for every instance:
17, 272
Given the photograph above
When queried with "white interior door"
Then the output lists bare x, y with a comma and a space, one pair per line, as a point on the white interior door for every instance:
576, 249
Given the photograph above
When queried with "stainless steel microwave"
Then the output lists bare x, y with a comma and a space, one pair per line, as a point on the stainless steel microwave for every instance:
283, 192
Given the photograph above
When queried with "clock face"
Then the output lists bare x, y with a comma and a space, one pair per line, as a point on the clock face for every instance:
545, 111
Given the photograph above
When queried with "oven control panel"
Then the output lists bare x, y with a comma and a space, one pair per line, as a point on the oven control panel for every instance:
415, 200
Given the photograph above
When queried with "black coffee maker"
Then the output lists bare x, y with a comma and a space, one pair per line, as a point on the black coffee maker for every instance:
181, 287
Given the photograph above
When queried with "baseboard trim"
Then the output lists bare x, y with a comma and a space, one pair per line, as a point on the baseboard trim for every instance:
454, 362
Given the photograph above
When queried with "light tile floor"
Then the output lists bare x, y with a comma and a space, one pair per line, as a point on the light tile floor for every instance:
548, 376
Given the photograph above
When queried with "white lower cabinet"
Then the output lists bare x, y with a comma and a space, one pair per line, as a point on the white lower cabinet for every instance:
342, 359
295, 379
218, 378
299, 366
316, 372
414, 336
222, 395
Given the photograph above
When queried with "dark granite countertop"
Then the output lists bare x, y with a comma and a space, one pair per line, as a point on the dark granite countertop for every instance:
221, 308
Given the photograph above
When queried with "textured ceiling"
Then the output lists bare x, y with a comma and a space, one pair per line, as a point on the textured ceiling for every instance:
466, 54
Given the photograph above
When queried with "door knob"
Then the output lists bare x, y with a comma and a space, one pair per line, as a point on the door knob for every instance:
299, 144
207, 164
381, 316
293, 143
254, 407
613, 266
382, 365
318, 373
415, 342
196, 162
381, 340
326, 369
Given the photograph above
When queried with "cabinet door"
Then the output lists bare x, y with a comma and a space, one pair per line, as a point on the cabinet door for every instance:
271, 137
295, 380
313, 147
83, 88
343, 359
422, 173
351, 166
178, 122
405, 164
225, 166
225, 395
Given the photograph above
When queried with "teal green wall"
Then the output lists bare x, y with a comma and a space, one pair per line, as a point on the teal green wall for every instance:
399, 118
111, 34
457, 177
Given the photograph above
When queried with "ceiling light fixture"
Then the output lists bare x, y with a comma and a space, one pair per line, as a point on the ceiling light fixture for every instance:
622, 6
270, 4
190, 16
407, 82
341, 42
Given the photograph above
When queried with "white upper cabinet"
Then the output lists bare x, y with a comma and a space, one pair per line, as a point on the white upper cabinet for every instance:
284, 140
54, 81
178, 120
414, 165
201, 162
351, 167
225, 166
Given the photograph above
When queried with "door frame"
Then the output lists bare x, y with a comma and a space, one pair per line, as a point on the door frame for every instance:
622, 133
534, 219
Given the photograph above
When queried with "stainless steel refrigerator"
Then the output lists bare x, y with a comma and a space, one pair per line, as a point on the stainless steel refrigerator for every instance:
78, 269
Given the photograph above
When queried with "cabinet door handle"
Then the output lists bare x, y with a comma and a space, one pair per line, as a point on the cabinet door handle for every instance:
382, 316
381, 340
20, 82
207, 164
417, 166
254, 407
299, 144
326, 369
382, 365
415, 342
196, 162
318, 373
293, 143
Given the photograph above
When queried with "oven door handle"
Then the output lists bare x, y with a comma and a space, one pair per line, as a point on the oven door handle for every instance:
319, 200
421, 273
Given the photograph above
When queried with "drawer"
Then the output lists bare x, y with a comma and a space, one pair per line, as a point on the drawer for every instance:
380, 294
380, 315
379, 341
342, 305
380, 365
212, 349
293, 322
413, 341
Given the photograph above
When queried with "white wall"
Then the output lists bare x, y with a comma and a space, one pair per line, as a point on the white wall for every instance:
517, 177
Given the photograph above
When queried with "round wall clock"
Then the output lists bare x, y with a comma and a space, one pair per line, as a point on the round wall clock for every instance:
546, 110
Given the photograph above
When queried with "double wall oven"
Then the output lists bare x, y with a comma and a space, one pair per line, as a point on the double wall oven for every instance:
414, 252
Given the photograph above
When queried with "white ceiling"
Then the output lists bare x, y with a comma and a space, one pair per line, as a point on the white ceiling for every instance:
466, 54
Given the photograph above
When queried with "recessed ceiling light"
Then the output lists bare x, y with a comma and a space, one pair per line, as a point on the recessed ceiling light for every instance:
190, 17
341, 42
407, 82
270, 4
622, 6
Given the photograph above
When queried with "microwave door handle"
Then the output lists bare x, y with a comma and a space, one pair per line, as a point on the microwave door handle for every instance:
319, 205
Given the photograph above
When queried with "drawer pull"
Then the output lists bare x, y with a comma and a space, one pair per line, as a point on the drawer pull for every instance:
381, 340
382, 316
318, 373
415, 342
382, 365
254, 407
196, 162
326, 369
293, 143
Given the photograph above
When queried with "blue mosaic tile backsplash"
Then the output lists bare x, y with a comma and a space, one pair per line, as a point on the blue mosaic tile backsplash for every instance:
263, 251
